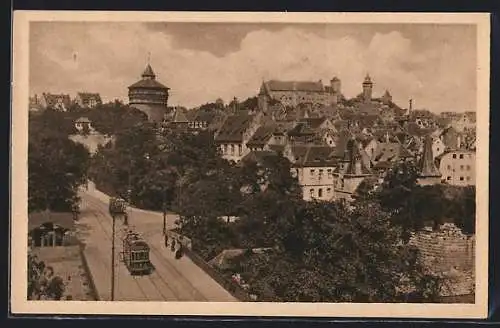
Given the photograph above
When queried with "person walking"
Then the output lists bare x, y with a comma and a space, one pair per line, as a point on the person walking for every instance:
172, 246
166, 241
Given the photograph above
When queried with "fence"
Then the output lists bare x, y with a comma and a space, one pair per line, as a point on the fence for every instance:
232, 287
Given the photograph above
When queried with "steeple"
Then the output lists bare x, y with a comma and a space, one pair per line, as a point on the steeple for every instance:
427, 167
148, 73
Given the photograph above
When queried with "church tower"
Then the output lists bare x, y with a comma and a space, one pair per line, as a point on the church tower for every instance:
149, 95
367, 89
428, 172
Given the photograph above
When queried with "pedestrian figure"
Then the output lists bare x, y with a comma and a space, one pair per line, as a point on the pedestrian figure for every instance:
172, 246
166, 241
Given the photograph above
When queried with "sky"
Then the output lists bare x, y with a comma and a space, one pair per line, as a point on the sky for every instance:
435, 65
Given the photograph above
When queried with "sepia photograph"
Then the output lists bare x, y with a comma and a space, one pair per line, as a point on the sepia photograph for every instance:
268, 164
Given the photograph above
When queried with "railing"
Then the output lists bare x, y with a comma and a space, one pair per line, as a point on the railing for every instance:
232, 287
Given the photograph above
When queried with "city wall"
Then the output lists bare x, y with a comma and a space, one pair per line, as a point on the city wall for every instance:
450, 253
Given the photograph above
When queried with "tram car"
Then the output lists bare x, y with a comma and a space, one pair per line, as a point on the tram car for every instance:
117, 206
135, 254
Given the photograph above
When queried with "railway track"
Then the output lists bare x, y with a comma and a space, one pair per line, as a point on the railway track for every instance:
154, 284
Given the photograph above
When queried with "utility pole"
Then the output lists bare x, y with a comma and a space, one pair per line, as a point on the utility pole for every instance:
113, 260
164, 213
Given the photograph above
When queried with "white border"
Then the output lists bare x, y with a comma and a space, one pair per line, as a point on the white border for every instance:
20, 84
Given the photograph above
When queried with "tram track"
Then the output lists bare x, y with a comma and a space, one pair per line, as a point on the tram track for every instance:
109, 237
194, 293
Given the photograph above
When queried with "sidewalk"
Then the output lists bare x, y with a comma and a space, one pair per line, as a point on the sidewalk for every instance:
200, 280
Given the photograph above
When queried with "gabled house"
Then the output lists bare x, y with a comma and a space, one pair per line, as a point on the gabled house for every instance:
234, 134
313, 166
261, 139
88, 99
387, 154
59, 102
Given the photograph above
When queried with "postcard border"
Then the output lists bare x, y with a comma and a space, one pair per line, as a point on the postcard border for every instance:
19, 188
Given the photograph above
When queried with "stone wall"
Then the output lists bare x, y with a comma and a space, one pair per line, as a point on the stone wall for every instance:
450, 253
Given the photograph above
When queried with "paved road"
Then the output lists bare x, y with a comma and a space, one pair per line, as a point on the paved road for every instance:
172, 280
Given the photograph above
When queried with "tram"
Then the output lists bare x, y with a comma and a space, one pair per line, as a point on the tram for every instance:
135, 254
118, 207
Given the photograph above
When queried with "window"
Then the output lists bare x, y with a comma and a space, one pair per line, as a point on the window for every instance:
468, 167
448, 178
328, 191
240, 149
329, 172
461, 178
320, 192
454, 155
448, 167
312, 193
320, 174
312, 171
461, 156
232, 149
461, 167
437, 149
468, 178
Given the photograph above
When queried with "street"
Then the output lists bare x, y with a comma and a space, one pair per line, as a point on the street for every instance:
172, 280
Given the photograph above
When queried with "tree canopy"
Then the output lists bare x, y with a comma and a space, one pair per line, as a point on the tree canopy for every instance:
56, 165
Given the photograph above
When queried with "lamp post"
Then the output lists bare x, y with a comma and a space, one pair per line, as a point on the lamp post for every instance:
113, 259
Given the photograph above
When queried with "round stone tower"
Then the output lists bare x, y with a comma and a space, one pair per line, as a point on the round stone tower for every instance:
149, 96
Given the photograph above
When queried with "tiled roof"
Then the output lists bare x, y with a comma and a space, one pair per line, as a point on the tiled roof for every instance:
277, 148
233, 128
204, 116
53, 99
148, 84
300, 129
390, 152
313, 122
258, 156
313, 155
353, 160
261, 136
85, 96
275, 85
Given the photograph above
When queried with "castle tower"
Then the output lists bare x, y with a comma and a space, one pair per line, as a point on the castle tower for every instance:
367, 89
428, 172
149, 95
336, 85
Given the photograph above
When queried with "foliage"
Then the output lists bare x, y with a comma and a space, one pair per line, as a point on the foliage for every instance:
414, 206
56, 165
331, 252
42, 283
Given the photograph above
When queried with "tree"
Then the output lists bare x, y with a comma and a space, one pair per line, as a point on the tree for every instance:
331, 252
56, 165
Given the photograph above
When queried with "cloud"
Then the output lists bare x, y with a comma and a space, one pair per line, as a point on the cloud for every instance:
107, 58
